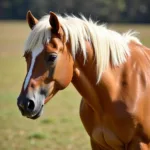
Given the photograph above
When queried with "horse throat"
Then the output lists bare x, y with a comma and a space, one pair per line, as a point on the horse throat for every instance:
84, 77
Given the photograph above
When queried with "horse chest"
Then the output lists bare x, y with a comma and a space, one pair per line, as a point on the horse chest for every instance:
98, 130
106, 138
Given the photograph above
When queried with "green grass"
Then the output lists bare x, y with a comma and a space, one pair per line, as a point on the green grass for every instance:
59, 128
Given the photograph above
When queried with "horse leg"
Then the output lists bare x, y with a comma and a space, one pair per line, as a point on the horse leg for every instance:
138, 145
144, 146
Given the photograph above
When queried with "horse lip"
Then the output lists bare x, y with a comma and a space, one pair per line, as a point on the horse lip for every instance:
37, 115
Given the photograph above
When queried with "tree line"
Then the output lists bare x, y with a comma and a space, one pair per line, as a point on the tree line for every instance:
125, 11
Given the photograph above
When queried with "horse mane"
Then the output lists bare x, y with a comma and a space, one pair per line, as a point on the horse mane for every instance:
107, 44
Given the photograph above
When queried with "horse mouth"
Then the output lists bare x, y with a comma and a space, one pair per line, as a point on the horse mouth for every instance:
37, 115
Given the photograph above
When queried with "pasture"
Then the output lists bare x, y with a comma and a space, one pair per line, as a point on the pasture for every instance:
59, 128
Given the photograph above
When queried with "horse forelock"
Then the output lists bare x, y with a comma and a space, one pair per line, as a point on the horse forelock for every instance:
107, 44
39, 35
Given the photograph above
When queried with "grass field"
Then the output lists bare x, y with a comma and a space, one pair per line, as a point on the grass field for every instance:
60, 127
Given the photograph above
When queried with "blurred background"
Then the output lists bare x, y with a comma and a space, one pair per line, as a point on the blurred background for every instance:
136, 11
59, 128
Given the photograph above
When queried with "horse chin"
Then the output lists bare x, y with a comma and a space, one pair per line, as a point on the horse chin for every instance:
37, 115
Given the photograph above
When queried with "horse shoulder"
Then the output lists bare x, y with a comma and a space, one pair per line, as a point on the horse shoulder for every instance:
127, 97
142, 105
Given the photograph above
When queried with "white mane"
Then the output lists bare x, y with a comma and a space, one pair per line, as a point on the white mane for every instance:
107, 44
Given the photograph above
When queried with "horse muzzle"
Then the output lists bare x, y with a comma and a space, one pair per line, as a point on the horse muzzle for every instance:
31, 107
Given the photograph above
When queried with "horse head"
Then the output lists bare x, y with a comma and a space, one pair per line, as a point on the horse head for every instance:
49, 66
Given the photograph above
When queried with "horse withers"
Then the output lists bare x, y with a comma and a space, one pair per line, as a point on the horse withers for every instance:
111, 72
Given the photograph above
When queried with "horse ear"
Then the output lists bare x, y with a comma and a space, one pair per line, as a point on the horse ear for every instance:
54, 22
32, 21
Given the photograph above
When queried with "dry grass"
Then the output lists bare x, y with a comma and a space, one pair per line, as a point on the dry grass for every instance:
60, 127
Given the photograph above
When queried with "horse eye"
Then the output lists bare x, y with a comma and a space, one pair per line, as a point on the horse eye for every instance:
52, 58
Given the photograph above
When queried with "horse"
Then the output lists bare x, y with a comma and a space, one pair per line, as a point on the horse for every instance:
110, 71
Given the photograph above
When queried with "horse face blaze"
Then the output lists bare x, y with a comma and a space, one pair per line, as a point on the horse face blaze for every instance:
33, 94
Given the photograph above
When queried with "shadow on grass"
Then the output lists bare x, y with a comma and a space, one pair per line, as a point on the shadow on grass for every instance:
37, 135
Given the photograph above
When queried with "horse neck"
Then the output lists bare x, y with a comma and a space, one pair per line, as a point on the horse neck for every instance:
85, 78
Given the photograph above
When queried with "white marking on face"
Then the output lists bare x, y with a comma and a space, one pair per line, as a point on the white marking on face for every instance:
35, 53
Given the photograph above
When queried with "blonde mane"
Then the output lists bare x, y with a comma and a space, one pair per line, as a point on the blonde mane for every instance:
107, 44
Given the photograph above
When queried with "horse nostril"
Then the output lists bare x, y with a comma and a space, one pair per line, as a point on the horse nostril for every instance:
21, 106
19, 103
30, 105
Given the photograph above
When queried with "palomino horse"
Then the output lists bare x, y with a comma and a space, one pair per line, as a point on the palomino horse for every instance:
110, 71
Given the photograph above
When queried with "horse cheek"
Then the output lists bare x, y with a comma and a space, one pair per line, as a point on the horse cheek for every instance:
63, 71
